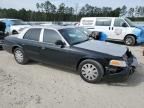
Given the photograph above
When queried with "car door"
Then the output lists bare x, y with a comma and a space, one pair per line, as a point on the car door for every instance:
55, 54
31, 44
119, 29
103, 25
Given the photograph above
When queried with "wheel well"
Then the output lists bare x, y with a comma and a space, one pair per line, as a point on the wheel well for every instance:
14, 48
81, 60
130, 35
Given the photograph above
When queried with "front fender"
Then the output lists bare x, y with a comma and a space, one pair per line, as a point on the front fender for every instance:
102, 61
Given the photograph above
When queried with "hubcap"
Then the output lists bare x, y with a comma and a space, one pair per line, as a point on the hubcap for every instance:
128, 41
89, 71
19, 56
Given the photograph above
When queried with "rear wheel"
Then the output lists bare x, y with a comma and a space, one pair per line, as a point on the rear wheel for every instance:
130, 40
20, 57
91, 71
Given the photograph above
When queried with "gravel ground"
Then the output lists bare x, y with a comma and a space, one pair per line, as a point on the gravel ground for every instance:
37, 85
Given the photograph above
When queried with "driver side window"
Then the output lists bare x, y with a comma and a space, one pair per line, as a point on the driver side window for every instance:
119, 22
51, 36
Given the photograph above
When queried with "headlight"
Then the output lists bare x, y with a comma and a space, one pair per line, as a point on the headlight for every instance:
118, 63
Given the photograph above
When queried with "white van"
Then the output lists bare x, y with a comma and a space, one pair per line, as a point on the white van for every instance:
116, 28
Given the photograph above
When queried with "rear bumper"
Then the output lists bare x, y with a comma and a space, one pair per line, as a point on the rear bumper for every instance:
122, 73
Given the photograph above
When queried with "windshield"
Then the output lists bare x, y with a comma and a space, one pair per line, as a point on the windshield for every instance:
18, 22
73, 35
84, 30
131, 24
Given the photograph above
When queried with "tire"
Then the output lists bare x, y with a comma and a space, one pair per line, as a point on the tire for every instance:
19, 56
130, 40
91, 71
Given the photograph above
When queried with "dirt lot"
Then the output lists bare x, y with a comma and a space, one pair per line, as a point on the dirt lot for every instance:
37, 85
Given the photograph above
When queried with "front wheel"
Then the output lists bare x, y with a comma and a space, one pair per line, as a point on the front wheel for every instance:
20, 57
91, 71
130, 40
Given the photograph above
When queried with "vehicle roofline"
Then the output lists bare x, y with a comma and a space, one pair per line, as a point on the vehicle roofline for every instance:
56, 27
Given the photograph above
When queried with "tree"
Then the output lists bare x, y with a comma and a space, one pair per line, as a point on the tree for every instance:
116, 12
137, 11
47, 6
42, 7
106, 11
131, 12
123, 11
61, 8
82, 11
97, 11
141, 11
38, 6
53, 9
47, 11
61, 12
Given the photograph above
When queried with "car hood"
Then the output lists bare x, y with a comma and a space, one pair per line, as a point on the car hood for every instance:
103, 47
140, 27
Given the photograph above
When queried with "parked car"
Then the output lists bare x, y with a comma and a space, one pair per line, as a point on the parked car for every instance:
69, 47
14, 26
2, 33
116, 28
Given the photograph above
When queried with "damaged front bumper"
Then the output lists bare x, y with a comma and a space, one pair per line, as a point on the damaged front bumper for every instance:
122, 73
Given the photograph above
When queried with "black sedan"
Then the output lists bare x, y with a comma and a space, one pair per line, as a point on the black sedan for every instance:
70, 47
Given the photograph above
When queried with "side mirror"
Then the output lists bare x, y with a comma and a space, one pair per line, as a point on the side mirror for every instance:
60, 42
124, 25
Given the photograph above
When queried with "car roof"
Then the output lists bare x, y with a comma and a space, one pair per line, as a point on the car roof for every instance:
56, 27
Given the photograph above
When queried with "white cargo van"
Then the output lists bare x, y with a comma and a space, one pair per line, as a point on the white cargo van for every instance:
116, 28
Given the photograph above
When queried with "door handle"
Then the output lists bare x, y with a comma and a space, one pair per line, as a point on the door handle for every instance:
109, 28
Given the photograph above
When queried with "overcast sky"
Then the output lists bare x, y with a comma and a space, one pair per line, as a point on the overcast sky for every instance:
31, 4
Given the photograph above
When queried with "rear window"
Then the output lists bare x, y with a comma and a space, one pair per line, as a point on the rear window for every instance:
32, 34
103, 22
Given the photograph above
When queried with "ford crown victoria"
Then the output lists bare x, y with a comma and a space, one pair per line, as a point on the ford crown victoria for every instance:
69, 47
